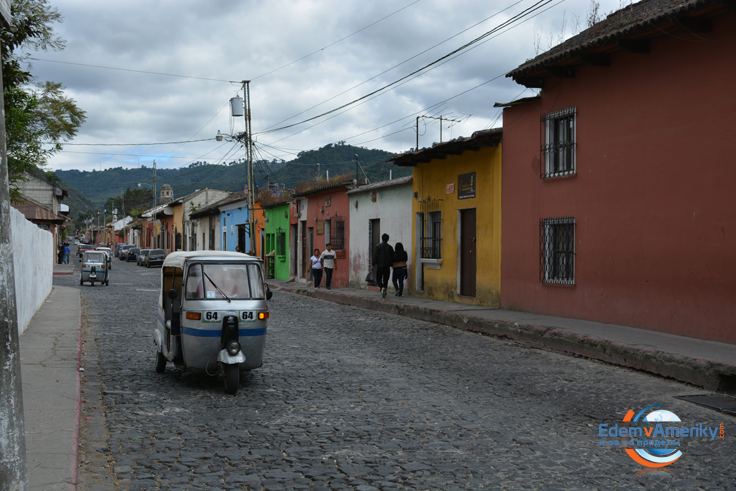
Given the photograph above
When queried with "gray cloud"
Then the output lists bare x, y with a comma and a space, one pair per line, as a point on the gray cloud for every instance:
232, 41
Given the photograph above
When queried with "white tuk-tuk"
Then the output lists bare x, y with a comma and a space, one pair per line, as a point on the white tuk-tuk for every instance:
212, 314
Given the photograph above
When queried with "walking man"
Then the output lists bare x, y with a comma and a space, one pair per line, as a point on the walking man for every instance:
67, 251
383, 259
328, 263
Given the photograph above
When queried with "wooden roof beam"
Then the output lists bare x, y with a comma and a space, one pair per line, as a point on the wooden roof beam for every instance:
596, 59
695, 24
561, 71
638, 46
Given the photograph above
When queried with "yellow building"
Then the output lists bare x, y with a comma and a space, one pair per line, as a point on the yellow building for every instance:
456, 205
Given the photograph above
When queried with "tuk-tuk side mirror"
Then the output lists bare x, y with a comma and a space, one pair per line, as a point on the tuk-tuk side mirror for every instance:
269, 293
171, 294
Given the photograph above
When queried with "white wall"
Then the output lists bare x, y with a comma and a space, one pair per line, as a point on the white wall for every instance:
393, 208
33, 253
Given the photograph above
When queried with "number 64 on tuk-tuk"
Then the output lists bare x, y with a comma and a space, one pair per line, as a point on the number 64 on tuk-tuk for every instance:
212, 314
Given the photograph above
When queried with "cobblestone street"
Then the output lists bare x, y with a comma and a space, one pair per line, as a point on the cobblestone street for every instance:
353, 399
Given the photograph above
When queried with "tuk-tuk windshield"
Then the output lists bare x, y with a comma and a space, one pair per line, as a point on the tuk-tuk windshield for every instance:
218, 281
95, 257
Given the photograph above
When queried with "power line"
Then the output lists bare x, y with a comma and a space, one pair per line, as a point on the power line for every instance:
507, 23
334, 43
131, 70
395, 66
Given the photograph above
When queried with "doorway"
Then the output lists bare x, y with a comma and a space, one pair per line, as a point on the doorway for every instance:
374, 238
467, 253
305, 257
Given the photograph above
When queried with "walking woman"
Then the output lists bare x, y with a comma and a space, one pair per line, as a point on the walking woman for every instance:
400, 259
316, 268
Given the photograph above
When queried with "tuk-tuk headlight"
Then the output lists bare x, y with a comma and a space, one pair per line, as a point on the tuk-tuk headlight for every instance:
233, 348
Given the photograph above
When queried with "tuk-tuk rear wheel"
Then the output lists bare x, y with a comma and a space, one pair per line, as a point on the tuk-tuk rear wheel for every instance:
81, 281
160, 362
232, 379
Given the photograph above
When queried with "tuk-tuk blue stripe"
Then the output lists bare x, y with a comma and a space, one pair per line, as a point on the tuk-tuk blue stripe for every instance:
215, 333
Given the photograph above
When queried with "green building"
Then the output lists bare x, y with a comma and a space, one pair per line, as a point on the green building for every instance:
277, 239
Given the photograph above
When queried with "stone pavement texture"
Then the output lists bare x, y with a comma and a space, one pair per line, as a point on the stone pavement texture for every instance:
49, 350
349, 398
707, 364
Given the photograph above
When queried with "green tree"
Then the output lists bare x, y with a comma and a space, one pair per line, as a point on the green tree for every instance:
38, 116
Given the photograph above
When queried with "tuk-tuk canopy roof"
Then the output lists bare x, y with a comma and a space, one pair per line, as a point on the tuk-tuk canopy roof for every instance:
177, 259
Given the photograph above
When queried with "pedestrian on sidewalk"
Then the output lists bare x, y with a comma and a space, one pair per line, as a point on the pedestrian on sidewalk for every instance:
383, 259
316, 268
67, 251
60, 254
400, 259
328, 258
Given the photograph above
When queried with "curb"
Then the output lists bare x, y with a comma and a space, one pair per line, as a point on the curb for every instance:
711, 375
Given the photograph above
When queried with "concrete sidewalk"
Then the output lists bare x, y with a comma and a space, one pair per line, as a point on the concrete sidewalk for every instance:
707, 364
49, 352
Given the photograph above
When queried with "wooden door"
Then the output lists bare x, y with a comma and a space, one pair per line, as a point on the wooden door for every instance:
467, 252
305, 257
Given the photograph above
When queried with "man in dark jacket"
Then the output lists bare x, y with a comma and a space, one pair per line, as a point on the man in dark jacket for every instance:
383, 259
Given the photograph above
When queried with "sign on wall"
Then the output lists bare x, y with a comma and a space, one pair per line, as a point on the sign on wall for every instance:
450, 188
466, 186
320, 227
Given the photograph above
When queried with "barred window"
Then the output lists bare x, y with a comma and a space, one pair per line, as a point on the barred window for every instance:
338, 240
432, 236
558, 143
557, 250
280, 242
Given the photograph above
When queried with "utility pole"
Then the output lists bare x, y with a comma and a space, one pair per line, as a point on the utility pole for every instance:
433, 117
155, 221
13, 462
249, 156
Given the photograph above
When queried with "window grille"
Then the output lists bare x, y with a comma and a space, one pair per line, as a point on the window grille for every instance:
558, 143
557, 250
280, 242
431, 233
338, 240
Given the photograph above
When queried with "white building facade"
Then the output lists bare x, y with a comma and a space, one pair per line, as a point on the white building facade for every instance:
377, 209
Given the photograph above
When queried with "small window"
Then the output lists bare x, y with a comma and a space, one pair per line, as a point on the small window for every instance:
557, 250
338, 240
432, 236
281, 243
558, 147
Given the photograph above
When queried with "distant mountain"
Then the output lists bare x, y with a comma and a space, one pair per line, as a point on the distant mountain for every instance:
338, 159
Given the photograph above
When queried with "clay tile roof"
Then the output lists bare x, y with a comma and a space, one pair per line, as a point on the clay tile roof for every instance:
637, 22
479, 139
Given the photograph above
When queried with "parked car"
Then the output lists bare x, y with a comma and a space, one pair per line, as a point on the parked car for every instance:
131, 254
122, 255
84, 247
141, 256
155, 258
117, 248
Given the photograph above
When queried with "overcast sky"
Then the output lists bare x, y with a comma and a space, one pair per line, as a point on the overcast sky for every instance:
303, 58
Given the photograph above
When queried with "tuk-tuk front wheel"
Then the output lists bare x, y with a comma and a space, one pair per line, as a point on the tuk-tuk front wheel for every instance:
160, 362
232, 378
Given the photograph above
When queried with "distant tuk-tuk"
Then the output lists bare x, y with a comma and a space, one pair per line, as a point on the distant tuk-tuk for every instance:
94, 268
212, 314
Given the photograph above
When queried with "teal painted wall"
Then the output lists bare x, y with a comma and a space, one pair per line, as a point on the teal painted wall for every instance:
277, 222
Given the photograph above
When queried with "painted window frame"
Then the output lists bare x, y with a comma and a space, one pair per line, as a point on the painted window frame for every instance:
559, 143
557, 251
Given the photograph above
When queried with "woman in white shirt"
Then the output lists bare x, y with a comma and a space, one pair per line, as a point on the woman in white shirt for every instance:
316, 268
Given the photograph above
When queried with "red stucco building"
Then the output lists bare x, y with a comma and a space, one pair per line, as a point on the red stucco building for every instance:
326, 218
619, 182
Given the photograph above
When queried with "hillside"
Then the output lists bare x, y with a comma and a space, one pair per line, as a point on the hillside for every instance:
338, 159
